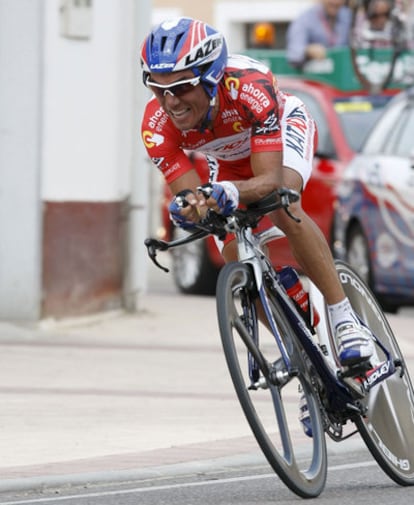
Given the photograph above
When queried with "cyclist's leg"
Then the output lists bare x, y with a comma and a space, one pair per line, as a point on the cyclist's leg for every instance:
308, 244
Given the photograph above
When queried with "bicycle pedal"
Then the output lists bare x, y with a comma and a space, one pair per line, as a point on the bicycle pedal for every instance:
358, 370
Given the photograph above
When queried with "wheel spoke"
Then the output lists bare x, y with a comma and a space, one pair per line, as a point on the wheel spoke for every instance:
267, 403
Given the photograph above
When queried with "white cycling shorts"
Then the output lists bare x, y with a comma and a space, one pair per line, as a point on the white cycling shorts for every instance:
299, 137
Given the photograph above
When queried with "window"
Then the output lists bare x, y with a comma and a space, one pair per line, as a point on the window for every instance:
384, 130
404, 141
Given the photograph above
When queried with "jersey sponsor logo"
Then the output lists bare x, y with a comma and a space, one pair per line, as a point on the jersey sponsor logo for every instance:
266, 142
158, 162
271, 124
255, 97
205, 49
171, 170
233, 147
233, 85
238, 126
157, 120
296, 130
193, 145
230, 115
152, 139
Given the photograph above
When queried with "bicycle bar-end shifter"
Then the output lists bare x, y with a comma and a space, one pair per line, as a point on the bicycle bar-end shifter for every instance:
153, 245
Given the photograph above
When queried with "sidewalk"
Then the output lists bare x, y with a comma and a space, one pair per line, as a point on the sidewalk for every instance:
117, 392
121, 393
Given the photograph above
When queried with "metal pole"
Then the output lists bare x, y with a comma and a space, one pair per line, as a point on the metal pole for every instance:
135, 282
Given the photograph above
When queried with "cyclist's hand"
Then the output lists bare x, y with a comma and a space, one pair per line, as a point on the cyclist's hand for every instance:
184, 209
222, 197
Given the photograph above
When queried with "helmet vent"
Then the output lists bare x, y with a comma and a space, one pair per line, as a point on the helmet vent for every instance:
177, 40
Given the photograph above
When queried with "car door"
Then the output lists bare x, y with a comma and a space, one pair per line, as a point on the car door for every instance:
386, 176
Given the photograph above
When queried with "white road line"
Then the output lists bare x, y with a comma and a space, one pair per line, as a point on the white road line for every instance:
166, 487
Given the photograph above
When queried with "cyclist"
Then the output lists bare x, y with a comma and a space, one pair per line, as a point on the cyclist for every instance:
257, 139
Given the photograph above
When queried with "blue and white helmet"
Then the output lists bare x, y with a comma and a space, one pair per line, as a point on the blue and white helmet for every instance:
185, 43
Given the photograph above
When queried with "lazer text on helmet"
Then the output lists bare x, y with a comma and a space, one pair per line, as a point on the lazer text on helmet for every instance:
203, 51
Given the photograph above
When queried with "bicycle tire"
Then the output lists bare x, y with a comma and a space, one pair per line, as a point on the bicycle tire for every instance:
361, 49
387, 428
299, 461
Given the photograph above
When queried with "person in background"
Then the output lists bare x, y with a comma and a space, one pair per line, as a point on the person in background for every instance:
321, 27
372, 25
379, 12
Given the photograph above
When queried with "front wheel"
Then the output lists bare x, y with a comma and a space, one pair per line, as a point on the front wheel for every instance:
388, 424
267, 393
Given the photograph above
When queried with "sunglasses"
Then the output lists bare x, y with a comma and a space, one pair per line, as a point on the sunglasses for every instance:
377, 15
178, 88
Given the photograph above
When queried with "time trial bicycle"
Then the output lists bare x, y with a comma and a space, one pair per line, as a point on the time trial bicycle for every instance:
269, 363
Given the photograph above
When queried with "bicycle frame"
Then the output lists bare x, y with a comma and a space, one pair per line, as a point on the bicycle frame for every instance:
340, 398
342, 395
333, 395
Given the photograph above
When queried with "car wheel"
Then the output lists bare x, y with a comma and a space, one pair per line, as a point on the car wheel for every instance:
193, 271
357, 255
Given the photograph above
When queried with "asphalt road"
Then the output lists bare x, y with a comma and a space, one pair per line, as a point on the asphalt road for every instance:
245, 479
352, 476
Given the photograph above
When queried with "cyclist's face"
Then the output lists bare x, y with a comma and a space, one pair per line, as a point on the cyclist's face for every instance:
181, 96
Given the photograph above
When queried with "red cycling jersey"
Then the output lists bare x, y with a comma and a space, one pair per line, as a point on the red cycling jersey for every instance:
254, 116
248, 120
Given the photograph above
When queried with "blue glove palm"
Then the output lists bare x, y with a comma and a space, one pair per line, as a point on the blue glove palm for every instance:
175, 207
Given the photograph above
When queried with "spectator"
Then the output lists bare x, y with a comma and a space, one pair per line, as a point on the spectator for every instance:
319, 28
379, 12
373, 27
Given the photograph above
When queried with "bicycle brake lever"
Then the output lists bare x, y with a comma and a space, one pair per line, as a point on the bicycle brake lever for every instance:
206, 190
286, 196
153, 246
297, 219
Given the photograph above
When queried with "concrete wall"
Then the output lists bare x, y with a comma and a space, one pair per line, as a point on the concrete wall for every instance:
21, 39
69, 155
86, 150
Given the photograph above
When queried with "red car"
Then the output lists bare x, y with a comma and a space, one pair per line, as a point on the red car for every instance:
343, 120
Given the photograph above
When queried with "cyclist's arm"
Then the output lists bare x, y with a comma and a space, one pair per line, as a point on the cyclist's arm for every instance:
267, 170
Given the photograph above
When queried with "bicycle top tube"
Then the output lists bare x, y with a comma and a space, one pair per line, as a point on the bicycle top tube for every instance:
268, 235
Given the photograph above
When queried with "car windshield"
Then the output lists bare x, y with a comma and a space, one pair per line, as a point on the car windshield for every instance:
357, 115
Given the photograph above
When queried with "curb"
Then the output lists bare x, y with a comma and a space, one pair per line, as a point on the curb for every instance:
214, 465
